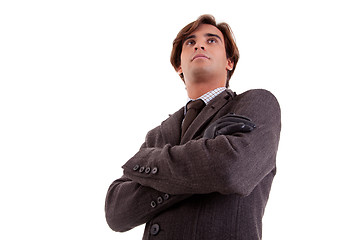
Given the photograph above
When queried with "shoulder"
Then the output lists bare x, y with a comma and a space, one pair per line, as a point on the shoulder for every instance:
168, 132
257, 95
257, 104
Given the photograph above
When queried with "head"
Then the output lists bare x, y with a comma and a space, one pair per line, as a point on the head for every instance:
205, 24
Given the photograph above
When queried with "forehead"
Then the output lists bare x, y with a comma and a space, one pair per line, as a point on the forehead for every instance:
204, 29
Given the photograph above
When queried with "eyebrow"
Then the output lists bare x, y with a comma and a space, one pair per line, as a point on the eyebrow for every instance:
207, 35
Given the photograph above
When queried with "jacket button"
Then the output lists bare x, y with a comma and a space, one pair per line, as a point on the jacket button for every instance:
136, 167
154, 230
153, 204
155, 170
147, 170
142, 169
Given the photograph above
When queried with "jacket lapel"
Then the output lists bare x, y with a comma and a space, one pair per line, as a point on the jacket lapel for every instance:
171, 128
207, 114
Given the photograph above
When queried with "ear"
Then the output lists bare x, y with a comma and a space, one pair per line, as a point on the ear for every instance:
229, 65
179, 70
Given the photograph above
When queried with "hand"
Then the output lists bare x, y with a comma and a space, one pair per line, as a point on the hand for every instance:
228, 125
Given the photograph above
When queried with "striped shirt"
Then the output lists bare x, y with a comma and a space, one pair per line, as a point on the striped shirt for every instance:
207, 97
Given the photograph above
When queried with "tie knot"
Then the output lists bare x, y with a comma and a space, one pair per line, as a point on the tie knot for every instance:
197, 104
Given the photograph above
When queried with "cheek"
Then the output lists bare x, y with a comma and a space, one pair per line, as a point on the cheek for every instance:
184, 58
221, 57
184, 53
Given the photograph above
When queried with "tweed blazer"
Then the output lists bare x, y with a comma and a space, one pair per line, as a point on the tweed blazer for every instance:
192, 188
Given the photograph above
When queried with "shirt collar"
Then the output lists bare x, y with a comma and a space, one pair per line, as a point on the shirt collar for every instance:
207, 97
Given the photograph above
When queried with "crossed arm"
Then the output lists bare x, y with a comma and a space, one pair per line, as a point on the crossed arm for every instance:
226, 164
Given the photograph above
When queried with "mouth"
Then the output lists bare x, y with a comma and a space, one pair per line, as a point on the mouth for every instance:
199, 56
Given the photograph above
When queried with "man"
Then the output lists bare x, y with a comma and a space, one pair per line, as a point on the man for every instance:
210, 177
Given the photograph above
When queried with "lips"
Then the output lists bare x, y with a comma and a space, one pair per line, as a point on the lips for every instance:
199, 56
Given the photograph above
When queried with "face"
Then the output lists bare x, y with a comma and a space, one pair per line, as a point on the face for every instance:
203, 55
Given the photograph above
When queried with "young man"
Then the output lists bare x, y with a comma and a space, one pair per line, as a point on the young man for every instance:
208, 177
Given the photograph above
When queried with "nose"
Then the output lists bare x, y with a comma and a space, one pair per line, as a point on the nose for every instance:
198, 46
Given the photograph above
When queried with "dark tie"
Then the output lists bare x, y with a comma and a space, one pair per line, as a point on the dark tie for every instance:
193, 108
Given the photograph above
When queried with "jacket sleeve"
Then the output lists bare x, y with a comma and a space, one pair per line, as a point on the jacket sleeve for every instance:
128, 204
227, 164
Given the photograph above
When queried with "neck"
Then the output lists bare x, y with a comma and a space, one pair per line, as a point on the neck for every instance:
196, 86
195, 91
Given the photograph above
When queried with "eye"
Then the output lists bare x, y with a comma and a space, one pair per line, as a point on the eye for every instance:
212, 40
190, 42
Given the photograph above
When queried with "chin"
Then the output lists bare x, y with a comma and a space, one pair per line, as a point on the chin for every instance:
202, 71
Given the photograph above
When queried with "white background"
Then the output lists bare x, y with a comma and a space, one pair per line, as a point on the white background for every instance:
70, 70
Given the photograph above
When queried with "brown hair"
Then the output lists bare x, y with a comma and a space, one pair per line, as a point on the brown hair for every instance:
232, 51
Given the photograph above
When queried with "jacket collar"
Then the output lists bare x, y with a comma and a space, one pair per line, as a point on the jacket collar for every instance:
206, 115
171, 127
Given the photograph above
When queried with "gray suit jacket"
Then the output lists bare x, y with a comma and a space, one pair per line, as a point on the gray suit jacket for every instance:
201, 189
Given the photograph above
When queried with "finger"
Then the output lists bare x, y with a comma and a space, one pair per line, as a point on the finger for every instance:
231, 120
234, 128
238, 116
